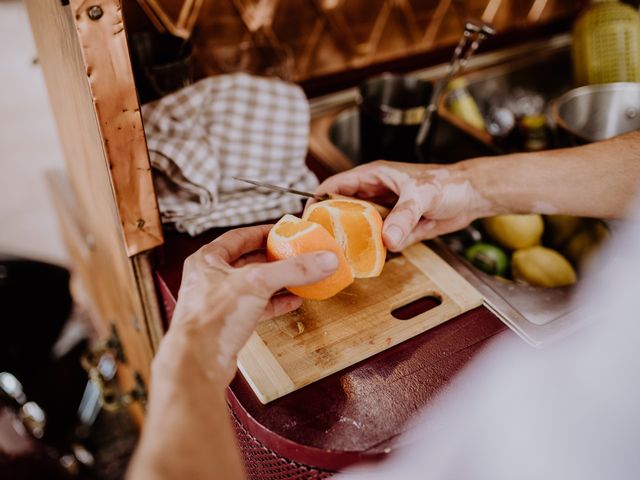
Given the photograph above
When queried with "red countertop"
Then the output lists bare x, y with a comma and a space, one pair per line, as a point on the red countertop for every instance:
354, 413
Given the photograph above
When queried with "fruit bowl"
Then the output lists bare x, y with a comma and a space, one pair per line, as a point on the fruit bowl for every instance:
538, 314
543, 251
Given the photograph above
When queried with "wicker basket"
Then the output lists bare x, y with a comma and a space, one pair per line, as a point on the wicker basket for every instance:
261, 463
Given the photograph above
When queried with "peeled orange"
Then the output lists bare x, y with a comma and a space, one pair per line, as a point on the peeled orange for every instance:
350, 228
292, 236
357, 227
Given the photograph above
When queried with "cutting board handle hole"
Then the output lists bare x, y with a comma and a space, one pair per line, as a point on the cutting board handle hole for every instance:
417, 307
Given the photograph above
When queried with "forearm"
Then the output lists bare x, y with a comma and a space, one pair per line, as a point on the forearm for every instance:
596, 180
227, 286
187, 433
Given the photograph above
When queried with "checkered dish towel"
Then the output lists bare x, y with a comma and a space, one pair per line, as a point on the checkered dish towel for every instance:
225, 126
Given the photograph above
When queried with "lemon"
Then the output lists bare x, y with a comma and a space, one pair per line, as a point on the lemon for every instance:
515, 231
542, 267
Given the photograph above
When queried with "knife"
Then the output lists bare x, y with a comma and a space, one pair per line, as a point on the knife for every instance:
383, 211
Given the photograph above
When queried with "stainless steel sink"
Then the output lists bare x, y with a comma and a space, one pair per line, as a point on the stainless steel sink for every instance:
539, 315
344, 133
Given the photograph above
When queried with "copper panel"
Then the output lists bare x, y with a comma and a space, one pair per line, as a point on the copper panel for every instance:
114, 97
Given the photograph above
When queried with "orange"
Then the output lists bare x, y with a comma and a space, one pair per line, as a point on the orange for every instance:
292, 236
357, 227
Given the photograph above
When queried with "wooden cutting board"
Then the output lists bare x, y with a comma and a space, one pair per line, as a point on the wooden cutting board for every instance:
322, 337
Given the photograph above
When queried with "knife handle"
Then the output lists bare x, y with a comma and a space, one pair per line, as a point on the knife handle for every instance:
383, 211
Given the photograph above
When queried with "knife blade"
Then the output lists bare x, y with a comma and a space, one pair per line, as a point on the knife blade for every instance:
269, 186
383, 211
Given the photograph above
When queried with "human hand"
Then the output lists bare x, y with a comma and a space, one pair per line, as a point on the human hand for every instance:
227, 287
429, 200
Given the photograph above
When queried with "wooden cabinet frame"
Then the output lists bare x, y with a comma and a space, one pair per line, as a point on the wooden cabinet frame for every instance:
106, 201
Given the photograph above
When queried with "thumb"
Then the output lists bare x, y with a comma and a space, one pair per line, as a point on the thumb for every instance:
400, 222
431, 228
292, 272
424, 230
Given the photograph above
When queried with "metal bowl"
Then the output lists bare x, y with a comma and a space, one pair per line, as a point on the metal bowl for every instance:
597, 112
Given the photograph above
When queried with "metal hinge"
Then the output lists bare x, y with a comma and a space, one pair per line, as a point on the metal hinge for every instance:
100, 362
111, 344
112, 400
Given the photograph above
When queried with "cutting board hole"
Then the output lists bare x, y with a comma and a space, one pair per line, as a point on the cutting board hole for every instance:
417, 307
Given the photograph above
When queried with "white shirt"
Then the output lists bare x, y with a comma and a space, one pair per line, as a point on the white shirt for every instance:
570, 411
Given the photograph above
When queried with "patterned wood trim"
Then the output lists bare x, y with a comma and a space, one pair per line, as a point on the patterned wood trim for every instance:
327, 37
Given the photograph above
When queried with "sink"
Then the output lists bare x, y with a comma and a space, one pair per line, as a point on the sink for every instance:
492, 85
538, 315
344, 133
454, 140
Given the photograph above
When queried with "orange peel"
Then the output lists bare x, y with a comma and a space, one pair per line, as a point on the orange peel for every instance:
350, 228
292, 236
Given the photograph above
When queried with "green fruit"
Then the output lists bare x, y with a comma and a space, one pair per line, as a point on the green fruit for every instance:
542, 267
560, 228
488, 258
515, 231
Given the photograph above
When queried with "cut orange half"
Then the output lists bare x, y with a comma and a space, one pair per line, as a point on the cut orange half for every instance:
292, 236
357, 227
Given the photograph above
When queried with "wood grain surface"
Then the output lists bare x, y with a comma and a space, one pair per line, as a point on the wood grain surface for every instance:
322, 337
86, 203
108, 71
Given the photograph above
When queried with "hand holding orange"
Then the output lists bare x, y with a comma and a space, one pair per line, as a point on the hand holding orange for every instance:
352, 229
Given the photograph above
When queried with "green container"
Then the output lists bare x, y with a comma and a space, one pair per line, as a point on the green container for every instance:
606, 44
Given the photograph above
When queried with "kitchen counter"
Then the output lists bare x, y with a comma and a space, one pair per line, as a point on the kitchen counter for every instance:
358, 412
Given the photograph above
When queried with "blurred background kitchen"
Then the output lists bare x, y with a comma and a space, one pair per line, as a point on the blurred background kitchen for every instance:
510, 86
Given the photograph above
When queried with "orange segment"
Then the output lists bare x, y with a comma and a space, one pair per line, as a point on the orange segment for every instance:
292, 236
345, 205
290, 228
321, 216
357, 226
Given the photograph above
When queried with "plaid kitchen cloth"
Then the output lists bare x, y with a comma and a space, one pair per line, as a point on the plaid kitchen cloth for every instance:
222, 127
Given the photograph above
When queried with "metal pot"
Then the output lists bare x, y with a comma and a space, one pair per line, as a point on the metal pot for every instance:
597, 112
391, 109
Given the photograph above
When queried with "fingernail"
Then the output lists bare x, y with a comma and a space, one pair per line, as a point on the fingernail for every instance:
393, 235
328, 261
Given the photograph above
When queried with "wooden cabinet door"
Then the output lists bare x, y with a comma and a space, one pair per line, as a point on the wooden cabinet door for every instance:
109, 210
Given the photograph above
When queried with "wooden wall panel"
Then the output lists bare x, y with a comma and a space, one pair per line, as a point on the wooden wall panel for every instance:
330, 36
106, 269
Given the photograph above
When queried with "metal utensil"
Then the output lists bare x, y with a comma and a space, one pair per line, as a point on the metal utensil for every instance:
277, 188
475, 31
383, 211
596, 112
